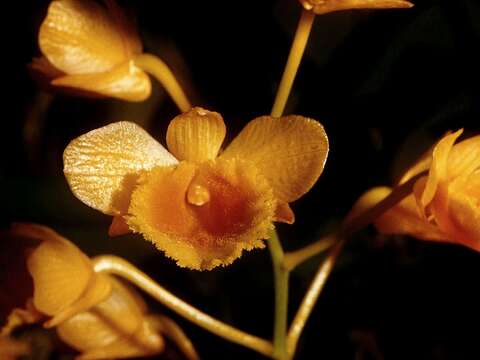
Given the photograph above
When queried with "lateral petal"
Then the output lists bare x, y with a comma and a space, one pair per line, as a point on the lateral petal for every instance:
60, 271
125, 81
196, 135
102, 165
289, 151
79, 37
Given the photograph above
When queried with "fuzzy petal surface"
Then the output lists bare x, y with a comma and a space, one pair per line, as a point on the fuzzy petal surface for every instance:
102, 166
203, 215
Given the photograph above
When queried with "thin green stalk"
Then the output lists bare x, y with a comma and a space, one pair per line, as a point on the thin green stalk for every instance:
281, 298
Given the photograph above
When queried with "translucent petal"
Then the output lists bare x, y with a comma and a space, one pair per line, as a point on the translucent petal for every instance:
283, 213
464, 219
81, 37
439, 167
238, 214
196, 135
290, 152
125, 82
326, 6
102, 165
60, 271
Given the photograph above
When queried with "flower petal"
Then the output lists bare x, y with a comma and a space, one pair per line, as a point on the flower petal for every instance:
290, 152
196, 135
80, 37
125, 81
102, 165
60, 271
326, 6
439, 167
233, 211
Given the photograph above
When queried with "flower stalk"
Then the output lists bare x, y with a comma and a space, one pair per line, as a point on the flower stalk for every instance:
117, 266
160, 71
294, 58
281, 275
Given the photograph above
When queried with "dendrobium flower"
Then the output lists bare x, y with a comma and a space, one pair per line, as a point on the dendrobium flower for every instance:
201, 208
326, 6
444, 205
94, 313
89, 48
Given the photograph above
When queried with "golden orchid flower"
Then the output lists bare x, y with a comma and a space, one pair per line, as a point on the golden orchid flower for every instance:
326, 6
94, 313
444, 203
201, 208
89, 48
11, 349
63, 278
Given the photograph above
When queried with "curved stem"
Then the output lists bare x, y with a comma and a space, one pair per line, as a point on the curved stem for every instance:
160, 71
294, 258
117, 266
281, 275
348, 227
296, 53
310, 298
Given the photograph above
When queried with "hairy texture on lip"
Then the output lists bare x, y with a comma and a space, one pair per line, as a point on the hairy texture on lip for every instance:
237, 216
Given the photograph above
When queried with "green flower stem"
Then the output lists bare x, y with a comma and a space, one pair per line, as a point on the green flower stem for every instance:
294, 58
294, 258
281, 275
348, 228
160, 71
118, 266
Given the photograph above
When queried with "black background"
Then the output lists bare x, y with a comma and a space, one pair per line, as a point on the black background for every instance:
385, 84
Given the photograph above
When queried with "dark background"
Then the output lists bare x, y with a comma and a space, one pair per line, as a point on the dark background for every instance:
385, 84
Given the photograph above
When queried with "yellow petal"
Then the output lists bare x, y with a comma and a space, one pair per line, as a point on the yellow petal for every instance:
81, 37
102, 165
439, 168
290, 152
97, 290
237, 215
326, 6
124, 81
196, 135
60, 271
464, 158
114, 328
464, 220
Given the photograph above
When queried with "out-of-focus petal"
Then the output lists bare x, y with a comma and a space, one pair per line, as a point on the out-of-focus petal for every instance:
98, 289
12, 349
102, 165
326, 6
290, 152
235, 215
439, 167
196, 135
114, 328
60, 271
125, 81
79, 37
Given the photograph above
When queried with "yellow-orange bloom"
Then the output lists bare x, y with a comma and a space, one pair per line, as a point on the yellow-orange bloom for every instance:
202, 209
89, 48
326, 6
444, 205
93, 312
